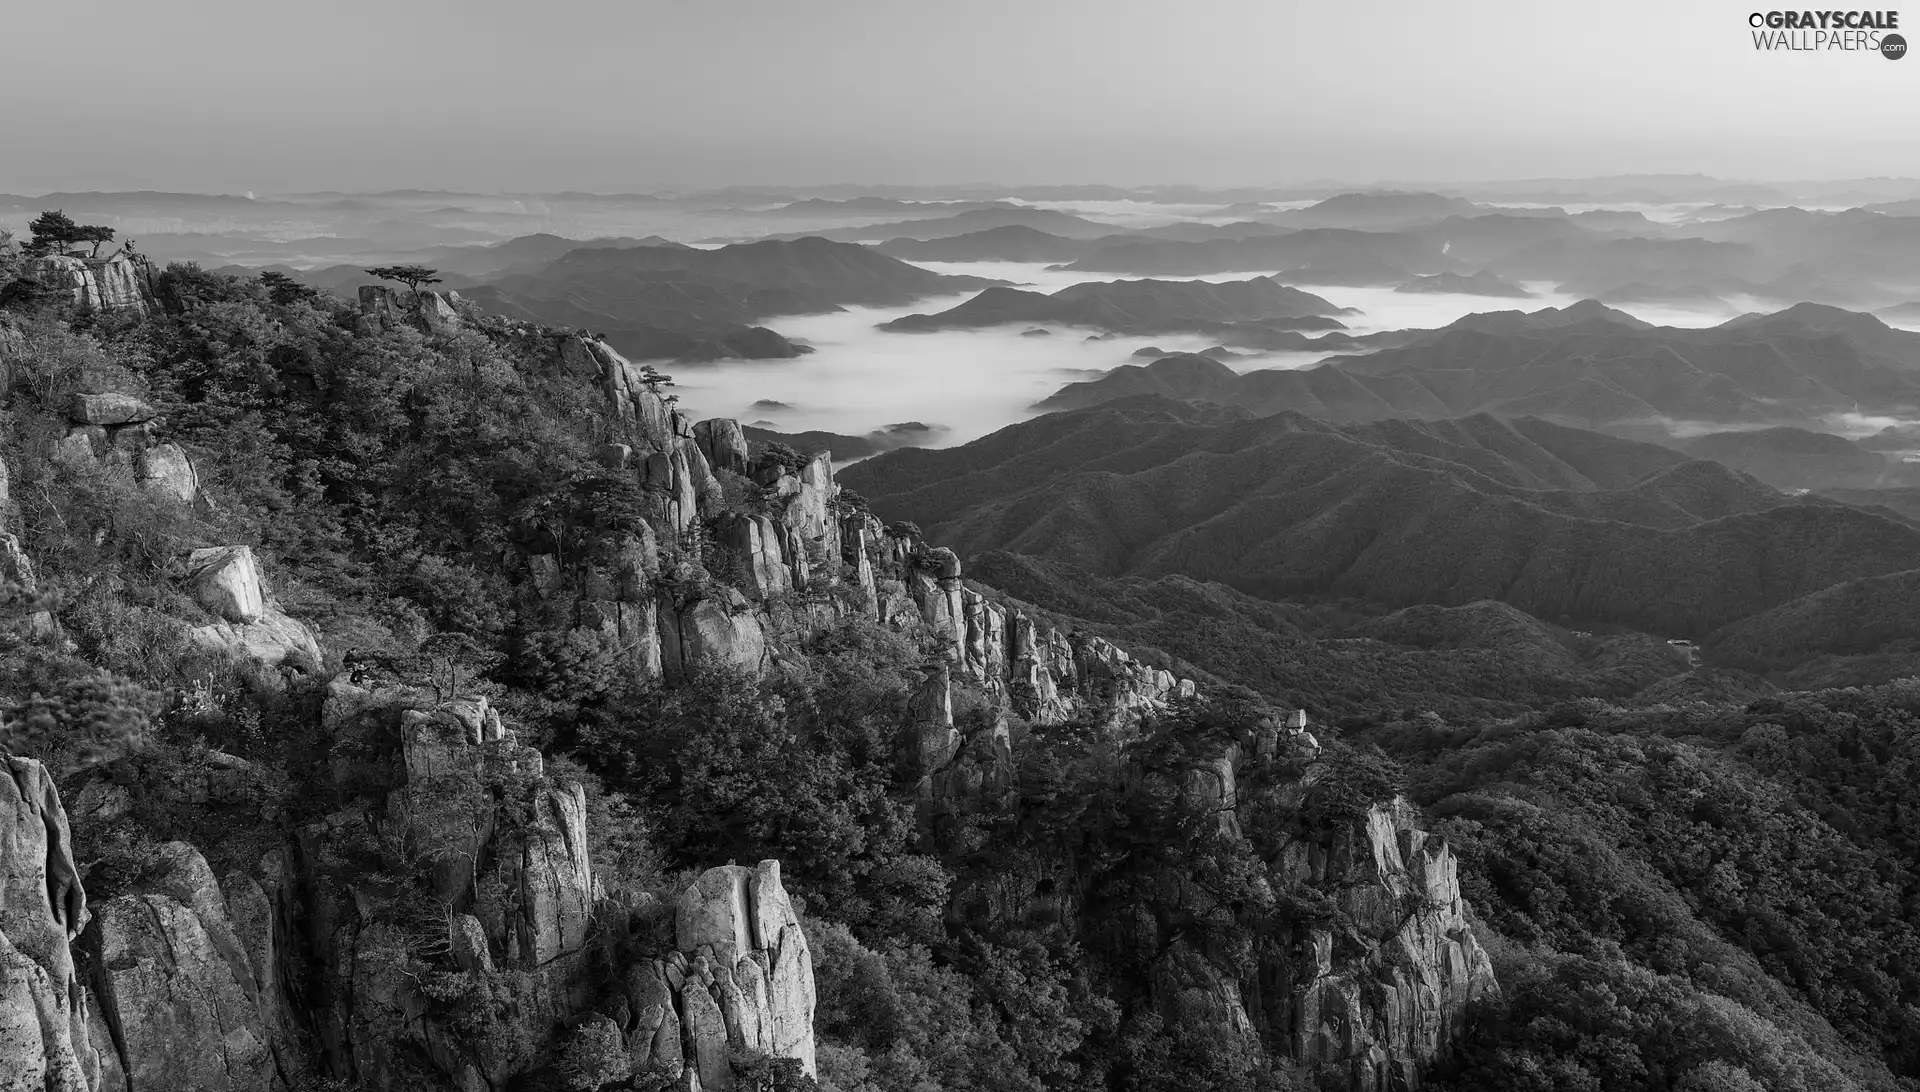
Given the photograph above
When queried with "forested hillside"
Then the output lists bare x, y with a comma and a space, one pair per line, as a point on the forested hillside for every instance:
1561, 523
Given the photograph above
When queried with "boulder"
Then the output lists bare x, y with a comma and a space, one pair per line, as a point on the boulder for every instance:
435, 314
378, 302
710, 633
165, 469
76, 448
273, 639
108, 408
226, 581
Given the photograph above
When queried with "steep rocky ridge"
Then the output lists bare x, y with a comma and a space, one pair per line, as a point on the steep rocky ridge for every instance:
44, 1037
434, 913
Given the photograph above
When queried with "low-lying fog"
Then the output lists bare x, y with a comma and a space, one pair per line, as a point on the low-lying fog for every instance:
972, 382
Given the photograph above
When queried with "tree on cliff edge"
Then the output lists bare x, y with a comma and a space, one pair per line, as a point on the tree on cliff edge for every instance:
53, 230
94, 234
413, 276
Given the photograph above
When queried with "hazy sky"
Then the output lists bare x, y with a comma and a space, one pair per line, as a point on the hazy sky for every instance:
234, 95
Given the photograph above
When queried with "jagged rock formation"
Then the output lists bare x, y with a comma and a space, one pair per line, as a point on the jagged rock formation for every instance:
1379, 1015
740, 977
383, 308
248, 625
797, 563
505, 851
44, 1041
1369, 988
505, 893
445, 921
113, 283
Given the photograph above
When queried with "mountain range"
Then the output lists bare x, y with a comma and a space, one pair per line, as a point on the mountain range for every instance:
1313, 255
686, 302
1559, 522
1585, 364
1236, 310
1051, 221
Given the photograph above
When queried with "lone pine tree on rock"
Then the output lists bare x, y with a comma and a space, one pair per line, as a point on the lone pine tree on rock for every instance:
413, 276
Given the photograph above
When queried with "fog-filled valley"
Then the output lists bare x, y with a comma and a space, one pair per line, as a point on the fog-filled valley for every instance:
561, 549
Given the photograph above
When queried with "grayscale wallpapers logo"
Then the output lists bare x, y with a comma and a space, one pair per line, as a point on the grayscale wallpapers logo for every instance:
1827, 31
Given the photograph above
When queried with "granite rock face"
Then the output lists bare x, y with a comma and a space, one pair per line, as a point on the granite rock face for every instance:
109, 408
1379, 1017
112, 283
723, 443
166, 470
504, 849
187, 1003
226, 580
44, 1035
744, 975
712, 633
494, 848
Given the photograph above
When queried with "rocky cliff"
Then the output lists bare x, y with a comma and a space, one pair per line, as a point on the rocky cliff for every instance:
1367, 979
44, 1040
1378, 1013
434, 916
113, 283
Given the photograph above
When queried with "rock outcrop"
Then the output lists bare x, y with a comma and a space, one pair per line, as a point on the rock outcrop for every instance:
740, 978
226, 581
109, 408
1372, 988
45, 1044
113, 283
383, 308
116, 428
493, 881
185, 983
249, 626
166, 470
501, 850
723, 443
1378, 1016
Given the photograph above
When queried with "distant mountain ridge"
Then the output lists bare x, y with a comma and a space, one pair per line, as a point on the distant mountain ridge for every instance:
690, 303
1586, 364
1051, 221
1141, 307
1553, 520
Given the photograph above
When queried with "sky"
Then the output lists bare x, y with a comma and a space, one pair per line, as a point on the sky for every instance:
239, 95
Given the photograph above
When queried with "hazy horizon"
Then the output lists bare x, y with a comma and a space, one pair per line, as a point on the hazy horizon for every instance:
220, 96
